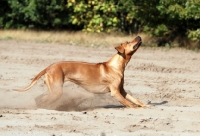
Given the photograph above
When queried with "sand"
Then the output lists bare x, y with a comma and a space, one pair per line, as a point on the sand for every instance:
169, 80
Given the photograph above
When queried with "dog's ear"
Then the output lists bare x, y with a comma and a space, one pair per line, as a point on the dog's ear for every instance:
120, 49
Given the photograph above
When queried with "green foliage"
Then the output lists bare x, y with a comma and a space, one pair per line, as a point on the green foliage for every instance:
4, 9
94, 15
160, 18
35, 14
194, 35
170, 18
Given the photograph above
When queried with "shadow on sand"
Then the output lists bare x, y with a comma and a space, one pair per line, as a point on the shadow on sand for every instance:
157, 103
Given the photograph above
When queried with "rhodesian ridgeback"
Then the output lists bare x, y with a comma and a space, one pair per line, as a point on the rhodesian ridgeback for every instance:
94, 77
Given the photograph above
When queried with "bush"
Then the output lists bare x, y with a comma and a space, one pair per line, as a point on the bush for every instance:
99, 15
160, 18
36, 14
93, 15
170, 18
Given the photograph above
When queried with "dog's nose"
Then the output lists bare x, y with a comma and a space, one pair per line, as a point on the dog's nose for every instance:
139, 38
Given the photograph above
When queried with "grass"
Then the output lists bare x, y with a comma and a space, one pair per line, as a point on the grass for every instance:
90, 39
72, 38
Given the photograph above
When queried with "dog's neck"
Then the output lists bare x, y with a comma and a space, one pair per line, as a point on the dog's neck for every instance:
119, 61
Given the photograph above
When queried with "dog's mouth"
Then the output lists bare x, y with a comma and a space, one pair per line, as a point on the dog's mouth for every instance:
139, 42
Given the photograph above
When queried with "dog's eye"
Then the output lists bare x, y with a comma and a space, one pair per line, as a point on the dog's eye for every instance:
127, 42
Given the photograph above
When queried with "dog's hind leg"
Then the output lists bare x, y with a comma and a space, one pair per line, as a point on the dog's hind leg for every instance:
55, 89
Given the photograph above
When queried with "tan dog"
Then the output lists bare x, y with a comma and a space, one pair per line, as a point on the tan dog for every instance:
96, 78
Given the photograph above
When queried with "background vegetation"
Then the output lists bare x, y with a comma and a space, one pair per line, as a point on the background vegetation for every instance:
168, 20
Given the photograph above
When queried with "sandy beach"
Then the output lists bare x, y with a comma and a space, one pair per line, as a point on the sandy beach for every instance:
167, 79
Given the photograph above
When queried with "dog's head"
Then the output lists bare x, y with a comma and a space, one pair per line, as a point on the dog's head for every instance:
129, 48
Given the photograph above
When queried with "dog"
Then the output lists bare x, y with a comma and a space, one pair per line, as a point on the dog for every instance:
94, 77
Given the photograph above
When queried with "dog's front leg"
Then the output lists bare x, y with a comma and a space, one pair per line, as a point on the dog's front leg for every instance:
116, 94
131, 99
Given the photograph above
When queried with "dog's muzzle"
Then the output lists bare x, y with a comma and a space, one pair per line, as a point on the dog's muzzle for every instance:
138, 38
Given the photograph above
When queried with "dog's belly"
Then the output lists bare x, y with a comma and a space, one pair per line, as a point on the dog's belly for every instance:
94, 87
97, 89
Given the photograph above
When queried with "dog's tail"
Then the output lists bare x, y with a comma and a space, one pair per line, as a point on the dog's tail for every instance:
33, 81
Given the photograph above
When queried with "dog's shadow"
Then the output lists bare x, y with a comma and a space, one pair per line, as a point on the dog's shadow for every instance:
77, 108
121, 106
157, 103
110, 106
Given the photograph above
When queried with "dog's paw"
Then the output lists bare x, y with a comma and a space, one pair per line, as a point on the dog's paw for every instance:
147, 105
